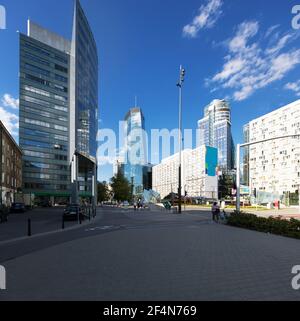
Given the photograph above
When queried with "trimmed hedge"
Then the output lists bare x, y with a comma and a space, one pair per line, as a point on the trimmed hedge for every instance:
278, 226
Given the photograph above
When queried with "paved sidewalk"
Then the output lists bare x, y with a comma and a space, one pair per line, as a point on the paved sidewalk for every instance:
43, 220
205, 262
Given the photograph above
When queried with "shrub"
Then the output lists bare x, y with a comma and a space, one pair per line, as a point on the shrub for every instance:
271, 225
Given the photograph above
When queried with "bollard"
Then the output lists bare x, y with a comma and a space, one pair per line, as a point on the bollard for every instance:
89, 213
63, 222
29, 227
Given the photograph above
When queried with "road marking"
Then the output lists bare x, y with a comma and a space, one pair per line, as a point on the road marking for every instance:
103, 228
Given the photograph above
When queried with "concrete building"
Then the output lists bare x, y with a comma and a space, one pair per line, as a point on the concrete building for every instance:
245, 169
274, 166
215, 131
198, 175
59, 112
11, 167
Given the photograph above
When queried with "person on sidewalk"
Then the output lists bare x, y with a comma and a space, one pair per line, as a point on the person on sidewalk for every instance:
215, 212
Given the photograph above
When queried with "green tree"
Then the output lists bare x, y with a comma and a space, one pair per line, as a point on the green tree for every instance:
121, 188
226, 185
103, 192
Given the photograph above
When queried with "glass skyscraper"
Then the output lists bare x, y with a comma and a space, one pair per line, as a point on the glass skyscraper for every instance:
136, 154
215, 131
59, 111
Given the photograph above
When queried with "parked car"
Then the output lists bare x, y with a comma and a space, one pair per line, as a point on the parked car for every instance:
17, 208
73, 211
45, 204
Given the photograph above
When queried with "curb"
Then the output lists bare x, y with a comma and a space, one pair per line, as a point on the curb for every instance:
67, 229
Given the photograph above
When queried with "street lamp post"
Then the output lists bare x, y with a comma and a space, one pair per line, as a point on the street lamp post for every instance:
132, 188
180, 138
238, 165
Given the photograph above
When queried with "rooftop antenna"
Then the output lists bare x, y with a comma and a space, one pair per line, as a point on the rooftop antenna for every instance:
136, 101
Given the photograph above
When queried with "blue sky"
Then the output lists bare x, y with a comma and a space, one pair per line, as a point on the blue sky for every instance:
245, 51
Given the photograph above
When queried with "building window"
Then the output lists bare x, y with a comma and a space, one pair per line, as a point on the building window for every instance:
61, 98
61, 88
61, 59
62, 128
37, 80
36, 101
36, 49
37, 122
37, 91
36, 59
60, 108
61, 78
61, 68
37, 70
36, 154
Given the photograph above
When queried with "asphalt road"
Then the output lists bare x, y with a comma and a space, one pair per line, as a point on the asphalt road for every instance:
43, 220
125, 255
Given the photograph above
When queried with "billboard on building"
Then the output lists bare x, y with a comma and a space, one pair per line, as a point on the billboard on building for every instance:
211, 161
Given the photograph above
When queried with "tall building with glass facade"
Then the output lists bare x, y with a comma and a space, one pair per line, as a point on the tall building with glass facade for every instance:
215, 131
59, 112
136, 153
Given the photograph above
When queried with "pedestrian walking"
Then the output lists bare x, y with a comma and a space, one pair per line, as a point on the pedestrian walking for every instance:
215, 212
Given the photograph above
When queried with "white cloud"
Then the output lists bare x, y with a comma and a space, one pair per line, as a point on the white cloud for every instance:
249, 66
208, 15
9, 101
245, 31
294, 86
280, 45
271, 30
8, 118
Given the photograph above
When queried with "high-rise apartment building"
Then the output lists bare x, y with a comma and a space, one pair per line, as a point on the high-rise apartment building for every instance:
274, 166
245, 169
59, 111
198, 174
215, 131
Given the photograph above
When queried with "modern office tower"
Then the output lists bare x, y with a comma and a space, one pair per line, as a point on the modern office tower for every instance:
118, 167
215, 131
147, 177
59, 112
136, 152
10, 167
199, 177
274, 166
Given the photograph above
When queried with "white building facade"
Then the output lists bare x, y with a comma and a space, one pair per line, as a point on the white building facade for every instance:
198, 173
274, 166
